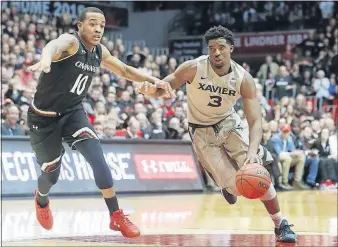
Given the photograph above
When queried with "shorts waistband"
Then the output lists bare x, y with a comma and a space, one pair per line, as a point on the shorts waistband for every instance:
216, 127
42, 112
193, 125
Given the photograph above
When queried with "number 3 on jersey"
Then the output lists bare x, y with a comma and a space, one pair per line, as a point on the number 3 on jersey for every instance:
80, 84
215, 101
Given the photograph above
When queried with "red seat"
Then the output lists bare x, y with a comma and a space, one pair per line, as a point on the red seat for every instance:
122, 132
270, 102
312, 100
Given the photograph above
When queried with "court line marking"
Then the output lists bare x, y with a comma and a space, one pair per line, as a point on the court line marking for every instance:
185, 231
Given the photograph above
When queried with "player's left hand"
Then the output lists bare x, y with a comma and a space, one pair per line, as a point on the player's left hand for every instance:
253, 159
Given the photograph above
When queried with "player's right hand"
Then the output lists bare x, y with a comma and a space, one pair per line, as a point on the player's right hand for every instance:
43, 65
159, 89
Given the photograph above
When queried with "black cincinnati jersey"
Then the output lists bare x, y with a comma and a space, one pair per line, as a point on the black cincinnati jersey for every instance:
67, 83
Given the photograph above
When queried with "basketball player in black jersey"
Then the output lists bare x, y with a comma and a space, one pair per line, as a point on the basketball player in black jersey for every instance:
67, 66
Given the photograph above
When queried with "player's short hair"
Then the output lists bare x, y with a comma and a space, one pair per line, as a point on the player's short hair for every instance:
84, 12
219, 32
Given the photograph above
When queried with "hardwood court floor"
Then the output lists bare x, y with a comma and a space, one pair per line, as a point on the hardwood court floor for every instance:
174, 220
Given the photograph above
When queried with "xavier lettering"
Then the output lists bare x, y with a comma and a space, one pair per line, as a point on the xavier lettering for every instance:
216, 89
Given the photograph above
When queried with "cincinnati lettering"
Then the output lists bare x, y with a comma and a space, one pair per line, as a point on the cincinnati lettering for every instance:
86, 67
217, 89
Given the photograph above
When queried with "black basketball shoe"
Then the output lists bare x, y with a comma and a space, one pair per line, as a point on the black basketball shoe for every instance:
231, 199
284, 233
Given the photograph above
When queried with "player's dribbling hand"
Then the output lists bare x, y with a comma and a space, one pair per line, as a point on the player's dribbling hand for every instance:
253, 159
43, 65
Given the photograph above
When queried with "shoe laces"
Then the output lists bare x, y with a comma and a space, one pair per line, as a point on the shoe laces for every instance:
285, 229
124, 218
44, 213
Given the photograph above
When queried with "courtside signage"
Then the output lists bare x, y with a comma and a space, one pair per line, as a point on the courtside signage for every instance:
136, 166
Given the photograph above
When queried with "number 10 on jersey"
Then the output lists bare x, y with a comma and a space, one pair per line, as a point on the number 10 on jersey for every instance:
80, 84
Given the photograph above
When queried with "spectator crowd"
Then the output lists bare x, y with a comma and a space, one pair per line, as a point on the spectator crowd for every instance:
255, 16
297, 90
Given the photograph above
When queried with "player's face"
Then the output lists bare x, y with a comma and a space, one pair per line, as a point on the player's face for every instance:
219, 51
92, 28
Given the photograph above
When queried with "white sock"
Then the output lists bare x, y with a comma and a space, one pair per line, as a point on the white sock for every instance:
277, 219
42, 194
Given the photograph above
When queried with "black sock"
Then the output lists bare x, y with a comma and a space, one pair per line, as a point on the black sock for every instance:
112, 204
45, 182
42, 200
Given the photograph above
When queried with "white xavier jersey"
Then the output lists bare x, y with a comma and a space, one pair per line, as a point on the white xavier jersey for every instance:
211, 97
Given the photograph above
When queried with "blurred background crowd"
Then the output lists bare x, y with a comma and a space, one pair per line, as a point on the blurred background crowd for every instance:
297, 89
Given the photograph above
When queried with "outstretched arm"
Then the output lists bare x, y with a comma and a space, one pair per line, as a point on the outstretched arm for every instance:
65, 45
185, 72
252, 110
116, 66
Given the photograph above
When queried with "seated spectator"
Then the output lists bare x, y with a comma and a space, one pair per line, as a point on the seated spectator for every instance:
125, 104
268, 67
328, 175
174, 129
98, 128
333, 89
333, 145
156, 130
273, 127
23, 119
134, 130
306, 85
109, 131
261, 98
321, 86
273, 168
289, 156
24, 74
283, 84
304, 143
110, 101
11, 127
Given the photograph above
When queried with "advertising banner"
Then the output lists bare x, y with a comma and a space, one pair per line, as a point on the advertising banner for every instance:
270, 42
186, 48
136, 166
115, 17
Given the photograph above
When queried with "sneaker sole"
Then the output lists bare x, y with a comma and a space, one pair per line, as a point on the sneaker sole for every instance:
230, 202
289, 238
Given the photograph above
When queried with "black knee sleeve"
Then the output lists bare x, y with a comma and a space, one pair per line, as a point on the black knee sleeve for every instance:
92, 151
51, 170
50, 177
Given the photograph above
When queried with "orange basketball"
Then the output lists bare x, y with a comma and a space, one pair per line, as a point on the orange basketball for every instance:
252, 181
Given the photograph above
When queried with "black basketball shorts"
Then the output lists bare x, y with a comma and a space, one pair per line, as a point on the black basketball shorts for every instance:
47, 133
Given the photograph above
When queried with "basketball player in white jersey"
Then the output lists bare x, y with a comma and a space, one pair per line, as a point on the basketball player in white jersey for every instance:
221, 140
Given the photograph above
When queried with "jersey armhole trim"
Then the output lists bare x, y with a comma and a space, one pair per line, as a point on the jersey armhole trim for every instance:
78, 47
195, 76
99, 49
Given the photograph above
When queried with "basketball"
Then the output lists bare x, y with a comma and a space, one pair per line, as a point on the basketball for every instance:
253, 181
